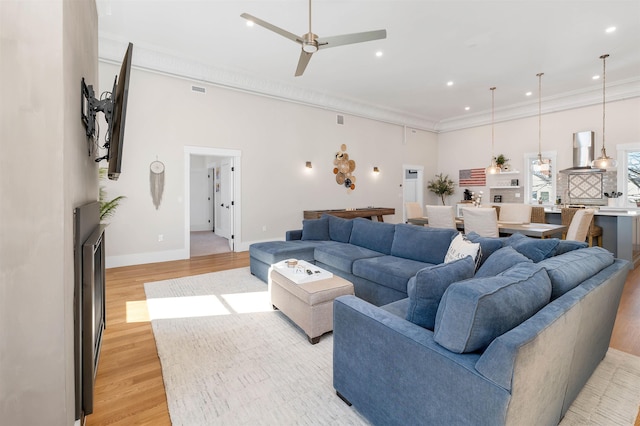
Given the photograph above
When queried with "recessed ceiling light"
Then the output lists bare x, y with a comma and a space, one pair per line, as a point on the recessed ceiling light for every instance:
528, 94
467, 108
449, 83
595, 77
249, 23
610, 30
379, 53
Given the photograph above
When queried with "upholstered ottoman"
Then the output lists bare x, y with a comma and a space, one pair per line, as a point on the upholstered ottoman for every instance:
308, 304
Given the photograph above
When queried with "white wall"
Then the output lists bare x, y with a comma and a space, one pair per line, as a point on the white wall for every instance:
276, 138
471, 148
46, 47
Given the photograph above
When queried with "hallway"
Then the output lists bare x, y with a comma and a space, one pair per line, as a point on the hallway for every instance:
204, 243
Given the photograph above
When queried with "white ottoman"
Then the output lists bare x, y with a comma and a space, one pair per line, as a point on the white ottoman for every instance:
308, 304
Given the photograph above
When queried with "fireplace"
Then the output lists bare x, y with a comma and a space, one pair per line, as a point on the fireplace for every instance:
89, 302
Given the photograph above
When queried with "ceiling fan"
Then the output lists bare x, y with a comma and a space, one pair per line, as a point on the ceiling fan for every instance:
311, 43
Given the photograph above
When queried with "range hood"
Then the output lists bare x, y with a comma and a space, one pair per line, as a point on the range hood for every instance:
583, 148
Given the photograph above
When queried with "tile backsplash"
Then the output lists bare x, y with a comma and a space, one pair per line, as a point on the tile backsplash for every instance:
586, 188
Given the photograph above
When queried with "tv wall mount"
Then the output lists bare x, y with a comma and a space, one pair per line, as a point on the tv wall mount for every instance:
89, 108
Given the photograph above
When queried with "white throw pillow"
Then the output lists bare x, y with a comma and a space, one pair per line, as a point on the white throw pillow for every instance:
460, 247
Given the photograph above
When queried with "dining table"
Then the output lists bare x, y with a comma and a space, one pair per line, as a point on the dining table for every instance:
536, 230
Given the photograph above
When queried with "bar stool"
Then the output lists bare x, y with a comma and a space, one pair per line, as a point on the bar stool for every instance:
594, 230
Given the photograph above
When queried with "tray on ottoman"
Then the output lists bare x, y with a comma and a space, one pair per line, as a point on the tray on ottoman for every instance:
306, 298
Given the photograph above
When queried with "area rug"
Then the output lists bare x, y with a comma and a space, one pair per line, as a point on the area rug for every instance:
228, 358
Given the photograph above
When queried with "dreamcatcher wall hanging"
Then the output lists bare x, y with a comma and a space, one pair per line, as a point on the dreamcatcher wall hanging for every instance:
344, 168
156, 182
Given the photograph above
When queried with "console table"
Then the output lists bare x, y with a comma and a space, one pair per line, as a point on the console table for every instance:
369, 213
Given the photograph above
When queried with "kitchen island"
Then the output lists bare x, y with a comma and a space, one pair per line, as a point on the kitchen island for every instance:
619, 228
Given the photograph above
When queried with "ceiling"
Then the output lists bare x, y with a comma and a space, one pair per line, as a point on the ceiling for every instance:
474, 44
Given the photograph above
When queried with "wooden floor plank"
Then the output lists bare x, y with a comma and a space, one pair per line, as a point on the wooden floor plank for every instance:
129, 388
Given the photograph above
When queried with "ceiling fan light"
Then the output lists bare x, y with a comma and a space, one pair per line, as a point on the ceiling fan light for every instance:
310, 47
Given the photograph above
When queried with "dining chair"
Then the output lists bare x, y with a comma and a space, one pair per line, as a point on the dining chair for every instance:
566, 216
515, 213
413, 209
441, 217
481, 220
538, 215
579, 226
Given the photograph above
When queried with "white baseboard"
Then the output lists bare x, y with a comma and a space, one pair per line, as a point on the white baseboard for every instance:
169, 255
142, 258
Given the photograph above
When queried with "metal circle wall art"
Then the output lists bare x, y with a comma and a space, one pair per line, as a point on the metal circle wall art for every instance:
343, 169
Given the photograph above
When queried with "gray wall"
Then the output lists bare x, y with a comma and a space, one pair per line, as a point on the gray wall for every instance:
46, 47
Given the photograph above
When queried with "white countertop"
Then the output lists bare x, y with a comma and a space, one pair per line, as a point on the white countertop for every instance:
603, 210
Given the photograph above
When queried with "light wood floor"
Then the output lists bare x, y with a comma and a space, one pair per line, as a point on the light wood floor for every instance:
129, 388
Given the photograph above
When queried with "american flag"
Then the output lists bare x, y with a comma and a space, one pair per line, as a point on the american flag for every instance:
472, 177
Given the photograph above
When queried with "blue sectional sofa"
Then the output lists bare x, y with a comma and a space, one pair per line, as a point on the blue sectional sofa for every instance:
513, 345
378, 258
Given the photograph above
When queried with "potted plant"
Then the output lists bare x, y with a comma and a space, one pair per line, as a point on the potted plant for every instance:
501, 160
442, 186
107, 207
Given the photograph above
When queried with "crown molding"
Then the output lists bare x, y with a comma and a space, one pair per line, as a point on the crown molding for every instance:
110, 51
617, 91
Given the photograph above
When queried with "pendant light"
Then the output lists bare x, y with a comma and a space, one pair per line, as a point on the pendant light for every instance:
539, 165
493, 168
604, 161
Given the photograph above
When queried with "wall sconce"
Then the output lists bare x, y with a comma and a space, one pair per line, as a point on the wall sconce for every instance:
308, 165
376, 169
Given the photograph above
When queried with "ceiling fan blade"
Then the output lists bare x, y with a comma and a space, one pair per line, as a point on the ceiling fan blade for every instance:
341, 40
272, 27
305, 57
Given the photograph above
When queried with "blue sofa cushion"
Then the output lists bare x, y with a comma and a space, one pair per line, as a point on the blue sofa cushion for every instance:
426, 289
342, 255
565, 246
500, 261
488, 245
568, 270
388, 271
474, 312
535, 249
339, 228
271, 252
421, 243
376, 236
315, 229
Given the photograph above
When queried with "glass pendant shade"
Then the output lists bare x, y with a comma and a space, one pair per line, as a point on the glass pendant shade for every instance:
539, 165
493, 168
604, 161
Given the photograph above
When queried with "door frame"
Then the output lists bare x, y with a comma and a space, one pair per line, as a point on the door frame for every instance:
236, 230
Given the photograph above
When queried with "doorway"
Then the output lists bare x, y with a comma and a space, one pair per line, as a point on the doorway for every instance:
413, 187
212, 204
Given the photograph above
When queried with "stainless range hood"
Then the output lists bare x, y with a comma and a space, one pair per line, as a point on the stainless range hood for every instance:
583, 148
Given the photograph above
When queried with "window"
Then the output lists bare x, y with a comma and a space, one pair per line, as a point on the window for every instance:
540, 186
629, 172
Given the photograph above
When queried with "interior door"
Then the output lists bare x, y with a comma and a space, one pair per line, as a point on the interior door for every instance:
225, 209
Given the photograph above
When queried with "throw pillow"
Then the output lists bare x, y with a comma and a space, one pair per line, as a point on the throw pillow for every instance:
488, 245
315, 229
474, 312
460, 248
426, 288
536, 249
500, 261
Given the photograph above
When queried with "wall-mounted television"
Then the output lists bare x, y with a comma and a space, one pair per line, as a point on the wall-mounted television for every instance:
114, 107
